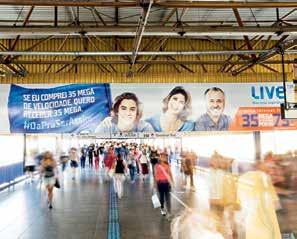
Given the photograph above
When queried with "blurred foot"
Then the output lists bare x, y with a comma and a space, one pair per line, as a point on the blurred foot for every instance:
169, 217
163, 212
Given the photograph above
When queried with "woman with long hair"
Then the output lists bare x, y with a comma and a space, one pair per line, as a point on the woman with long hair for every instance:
164, 183
120, 168
73, 156
49, 171
177, 106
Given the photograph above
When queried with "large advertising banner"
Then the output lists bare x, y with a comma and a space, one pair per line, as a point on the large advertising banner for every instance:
71, 108
133, 110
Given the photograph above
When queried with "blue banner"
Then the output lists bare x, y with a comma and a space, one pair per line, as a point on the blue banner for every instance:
75, 108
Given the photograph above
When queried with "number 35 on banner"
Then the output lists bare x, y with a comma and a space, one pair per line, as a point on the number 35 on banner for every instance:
261, 118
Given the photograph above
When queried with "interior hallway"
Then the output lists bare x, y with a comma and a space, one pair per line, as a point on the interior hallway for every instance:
82, 209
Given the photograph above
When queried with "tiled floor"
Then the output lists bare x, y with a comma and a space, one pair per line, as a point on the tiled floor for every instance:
81, 209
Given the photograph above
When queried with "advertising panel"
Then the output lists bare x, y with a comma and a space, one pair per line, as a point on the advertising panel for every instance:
129, 110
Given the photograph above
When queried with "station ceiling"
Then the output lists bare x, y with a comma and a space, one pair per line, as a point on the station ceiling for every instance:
266, 21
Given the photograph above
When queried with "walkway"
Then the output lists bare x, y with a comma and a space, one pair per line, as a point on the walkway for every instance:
86, 208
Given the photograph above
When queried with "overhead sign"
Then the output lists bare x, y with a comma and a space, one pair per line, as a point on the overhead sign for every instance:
71, 108
148, 110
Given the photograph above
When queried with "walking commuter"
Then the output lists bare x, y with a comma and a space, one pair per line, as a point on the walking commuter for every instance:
154, 158
73, 161
96, 158
109, 159
49, 171
90, 155
177, 155
64, 158
84, 152
30, 164
189, 159
124, 151
137, 154
131, 165
144, 164
164, 182
119, 176
101, 154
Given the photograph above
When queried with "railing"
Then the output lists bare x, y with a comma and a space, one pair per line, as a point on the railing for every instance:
9, 173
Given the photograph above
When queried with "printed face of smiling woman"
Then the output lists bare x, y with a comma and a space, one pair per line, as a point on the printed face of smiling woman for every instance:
176, 103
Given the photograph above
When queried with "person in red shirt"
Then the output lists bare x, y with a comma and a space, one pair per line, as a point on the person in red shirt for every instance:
109, 160
164, 182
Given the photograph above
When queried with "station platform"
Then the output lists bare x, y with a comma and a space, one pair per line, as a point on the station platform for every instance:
88, 208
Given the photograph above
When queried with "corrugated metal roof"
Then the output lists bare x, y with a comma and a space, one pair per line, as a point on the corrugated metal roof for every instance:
128, 15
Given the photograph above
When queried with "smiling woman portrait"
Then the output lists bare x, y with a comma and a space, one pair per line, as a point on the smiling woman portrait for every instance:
125, 116
177, 106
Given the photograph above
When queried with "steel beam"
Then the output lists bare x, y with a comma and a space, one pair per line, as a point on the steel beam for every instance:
225, 4
157, 3
121, 30
157, 62
59, 49
280, 46
140, 30
142, 53
73, 3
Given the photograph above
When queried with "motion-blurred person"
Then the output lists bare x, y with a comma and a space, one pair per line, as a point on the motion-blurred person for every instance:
30, 164
83, 156
137, 154
73, 161
109, 159
258, 201
96, 158
192, 224
144, 164
171, 156
90, 155
177, 154
120, 168
101, 154
49, 171
189, 159
38, 160
154, 157
131, 165
64, 158
164, 183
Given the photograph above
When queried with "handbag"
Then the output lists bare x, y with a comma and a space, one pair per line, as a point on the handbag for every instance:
156, 201
57, 183
111, 172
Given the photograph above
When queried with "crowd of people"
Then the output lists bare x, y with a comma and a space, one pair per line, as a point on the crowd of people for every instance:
118, 161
